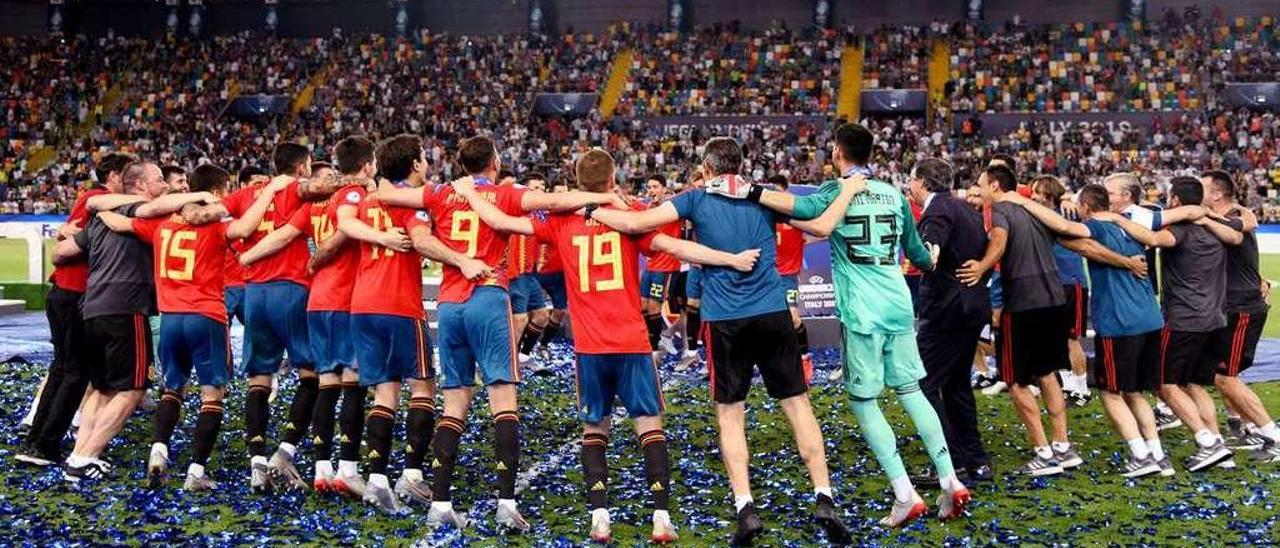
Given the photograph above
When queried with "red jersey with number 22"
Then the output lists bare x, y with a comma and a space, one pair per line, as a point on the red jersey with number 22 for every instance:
460, 228
602, 275
188, 265
290, 263
389, 281
332, 284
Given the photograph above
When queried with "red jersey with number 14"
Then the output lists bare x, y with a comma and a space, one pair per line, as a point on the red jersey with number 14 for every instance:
389, 281
460, 228
188, 265
790, 249
602, 275
333, 283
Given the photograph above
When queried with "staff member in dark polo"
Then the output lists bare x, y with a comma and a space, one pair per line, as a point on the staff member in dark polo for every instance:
951, 315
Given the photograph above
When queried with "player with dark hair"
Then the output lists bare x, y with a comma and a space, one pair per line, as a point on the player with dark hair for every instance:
659, 273
613, 360
64, 387
475, 332
175, 178
193, 333
1246, 311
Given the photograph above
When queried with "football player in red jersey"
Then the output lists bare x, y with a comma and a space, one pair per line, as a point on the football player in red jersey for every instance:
475, 326
275, 304
659, 273
328, 322
62, 390
389, 322
233, 274
613, 352
791, 242
528, 302
193, 328
550, 274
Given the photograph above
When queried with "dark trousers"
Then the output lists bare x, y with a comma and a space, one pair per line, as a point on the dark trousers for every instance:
67, 381
947, 352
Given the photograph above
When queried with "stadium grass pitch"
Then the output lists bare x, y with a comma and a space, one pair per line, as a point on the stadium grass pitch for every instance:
1092, 505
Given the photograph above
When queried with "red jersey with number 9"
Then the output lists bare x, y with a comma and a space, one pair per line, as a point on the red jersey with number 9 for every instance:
388, 281
790, 249
332, 285
460, 228
602, 275
290, 263
188, 265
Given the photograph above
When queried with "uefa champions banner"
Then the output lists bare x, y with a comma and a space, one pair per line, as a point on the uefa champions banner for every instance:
728, 125
817, 294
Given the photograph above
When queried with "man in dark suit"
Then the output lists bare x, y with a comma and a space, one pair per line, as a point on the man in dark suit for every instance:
951, 314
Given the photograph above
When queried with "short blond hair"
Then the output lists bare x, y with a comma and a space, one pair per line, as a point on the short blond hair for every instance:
594, 170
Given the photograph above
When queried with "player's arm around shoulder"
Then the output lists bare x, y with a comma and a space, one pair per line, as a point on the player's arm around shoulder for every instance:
489, 213
637, 222
693, 252
834, 198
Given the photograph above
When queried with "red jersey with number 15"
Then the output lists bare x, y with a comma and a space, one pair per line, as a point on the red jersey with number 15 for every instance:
332, 285
460, 228
188, 265
790, 249
290, 263
602, 275
389, 281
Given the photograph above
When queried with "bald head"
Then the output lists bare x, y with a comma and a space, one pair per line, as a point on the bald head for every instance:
144, 178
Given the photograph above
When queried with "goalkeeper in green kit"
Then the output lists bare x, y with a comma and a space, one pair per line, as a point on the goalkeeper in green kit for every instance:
876, 315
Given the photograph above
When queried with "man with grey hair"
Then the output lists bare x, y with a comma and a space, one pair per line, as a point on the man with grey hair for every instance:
747, 326
951, 315
119, 297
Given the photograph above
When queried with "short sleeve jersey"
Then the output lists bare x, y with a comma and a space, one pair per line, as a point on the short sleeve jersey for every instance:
74, 276
665, 262
388, 281
522, 255
120, 270
333, 283
459, 227
790, 249
1194, 275
1120, 304
603, 279
1243, 280
734, 226
549, 261
290, 264
1028, 270
188, 265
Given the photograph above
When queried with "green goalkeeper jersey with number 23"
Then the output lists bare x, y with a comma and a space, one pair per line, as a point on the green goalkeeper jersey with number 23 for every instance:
871, 292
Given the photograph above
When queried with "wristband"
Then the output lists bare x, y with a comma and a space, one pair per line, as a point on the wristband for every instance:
591, 208
755, 193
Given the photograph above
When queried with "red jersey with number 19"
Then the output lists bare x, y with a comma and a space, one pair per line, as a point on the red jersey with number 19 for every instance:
460, 228
389, 281
188, 265
332, 285
790, 249
602, 275
290, 263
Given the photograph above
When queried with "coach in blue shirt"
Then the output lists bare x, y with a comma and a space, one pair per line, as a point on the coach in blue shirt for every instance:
747, 325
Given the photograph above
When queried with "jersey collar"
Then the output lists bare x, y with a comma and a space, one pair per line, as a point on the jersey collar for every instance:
859, 170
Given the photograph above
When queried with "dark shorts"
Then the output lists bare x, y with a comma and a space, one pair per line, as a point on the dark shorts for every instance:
1032, 344
735, 348
66, 328
676, 298
275, 320
1128, 364
121, 345
526, 295
391, 348
329, 333
1187, 358
791, 284
603, 379
1077, 309
476, 335
1234, 345
193, 342
655, 285
553, 284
